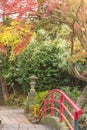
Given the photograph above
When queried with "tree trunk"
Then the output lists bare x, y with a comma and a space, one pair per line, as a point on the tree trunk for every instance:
78, 75
82, 100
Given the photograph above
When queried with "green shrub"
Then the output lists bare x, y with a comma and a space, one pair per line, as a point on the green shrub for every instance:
40, 96
16, 100
46, 61
73, 93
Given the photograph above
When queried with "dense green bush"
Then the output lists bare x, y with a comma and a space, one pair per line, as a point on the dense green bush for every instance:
46, 60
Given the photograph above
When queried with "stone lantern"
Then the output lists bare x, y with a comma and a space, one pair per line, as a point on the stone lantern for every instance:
31, 94
33, 79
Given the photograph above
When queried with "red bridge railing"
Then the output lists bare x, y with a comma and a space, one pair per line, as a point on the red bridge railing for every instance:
58, 104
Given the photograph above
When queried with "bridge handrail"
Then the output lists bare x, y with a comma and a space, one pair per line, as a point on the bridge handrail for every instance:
63, 96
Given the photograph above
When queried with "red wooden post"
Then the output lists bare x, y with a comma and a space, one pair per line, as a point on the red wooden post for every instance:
76, 123
61, 107
52, 104
44, 107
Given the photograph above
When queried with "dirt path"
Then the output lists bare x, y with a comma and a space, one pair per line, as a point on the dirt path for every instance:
14, 119
12, 116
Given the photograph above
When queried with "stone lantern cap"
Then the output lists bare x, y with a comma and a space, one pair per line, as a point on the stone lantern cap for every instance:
33, 77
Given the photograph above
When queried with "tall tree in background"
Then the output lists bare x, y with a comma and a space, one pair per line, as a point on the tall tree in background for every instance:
74, 15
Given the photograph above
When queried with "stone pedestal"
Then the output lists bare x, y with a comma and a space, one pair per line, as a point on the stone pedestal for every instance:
30, 101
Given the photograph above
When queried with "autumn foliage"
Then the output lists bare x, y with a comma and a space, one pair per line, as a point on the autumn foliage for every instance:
17, 8
21, 45
72, 13
18, 35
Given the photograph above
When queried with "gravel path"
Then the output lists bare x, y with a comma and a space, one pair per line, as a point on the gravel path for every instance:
14, 119
12, 116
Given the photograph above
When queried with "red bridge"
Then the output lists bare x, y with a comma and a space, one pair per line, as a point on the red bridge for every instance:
57, 103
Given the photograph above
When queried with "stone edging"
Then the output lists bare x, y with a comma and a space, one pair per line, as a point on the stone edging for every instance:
53, 123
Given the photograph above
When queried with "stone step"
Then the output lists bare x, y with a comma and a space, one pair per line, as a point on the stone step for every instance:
24, 127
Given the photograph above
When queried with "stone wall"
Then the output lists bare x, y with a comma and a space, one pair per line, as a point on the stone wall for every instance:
54, 123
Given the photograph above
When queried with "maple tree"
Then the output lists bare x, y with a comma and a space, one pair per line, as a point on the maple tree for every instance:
16, 36
17, 8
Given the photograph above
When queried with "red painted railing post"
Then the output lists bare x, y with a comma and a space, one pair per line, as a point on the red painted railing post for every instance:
44, 107
52, 104
61, 107
76, 123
